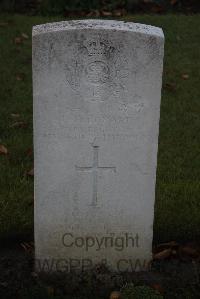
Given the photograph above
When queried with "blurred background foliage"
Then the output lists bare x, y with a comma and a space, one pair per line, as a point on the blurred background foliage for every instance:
98, 7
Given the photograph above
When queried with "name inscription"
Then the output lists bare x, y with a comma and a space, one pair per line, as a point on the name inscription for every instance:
80, 126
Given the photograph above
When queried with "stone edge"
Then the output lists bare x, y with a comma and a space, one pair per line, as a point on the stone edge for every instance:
97, 24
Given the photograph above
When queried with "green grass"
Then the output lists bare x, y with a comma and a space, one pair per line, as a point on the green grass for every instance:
177, 210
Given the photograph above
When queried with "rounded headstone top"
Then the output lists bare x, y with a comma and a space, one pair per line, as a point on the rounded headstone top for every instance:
98, 25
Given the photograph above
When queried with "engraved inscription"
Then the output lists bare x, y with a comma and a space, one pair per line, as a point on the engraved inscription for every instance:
79, 126
98, 67
98, 48
94, 169
97, 72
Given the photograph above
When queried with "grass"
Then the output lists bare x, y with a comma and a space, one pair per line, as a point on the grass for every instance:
177, 209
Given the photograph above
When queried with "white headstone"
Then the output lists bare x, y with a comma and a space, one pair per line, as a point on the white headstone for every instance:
97, 89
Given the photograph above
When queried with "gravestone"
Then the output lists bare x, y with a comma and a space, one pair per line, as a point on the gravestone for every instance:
97, 89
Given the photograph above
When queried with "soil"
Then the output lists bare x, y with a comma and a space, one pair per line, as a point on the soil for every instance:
173, 278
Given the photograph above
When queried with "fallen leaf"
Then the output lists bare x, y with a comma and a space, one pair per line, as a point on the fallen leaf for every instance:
158, 288
185, 76
29, 152
90, 14
18, 40
15, 115
19, 124
23, 246
3, 150
168, 244
164, 254
115, 295
118, 13
93, 13
27, 246
20, 77
170, 86
31, 172
25, 36
189, 250
106, 13
97, 13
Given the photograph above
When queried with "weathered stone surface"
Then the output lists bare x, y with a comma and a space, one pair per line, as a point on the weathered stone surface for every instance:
97, 87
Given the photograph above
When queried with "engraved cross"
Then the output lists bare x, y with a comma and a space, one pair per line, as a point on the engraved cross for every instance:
94, 169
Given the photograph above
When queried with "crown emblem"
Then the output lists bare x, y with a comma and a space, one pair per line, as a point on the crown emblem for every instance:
98, 48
